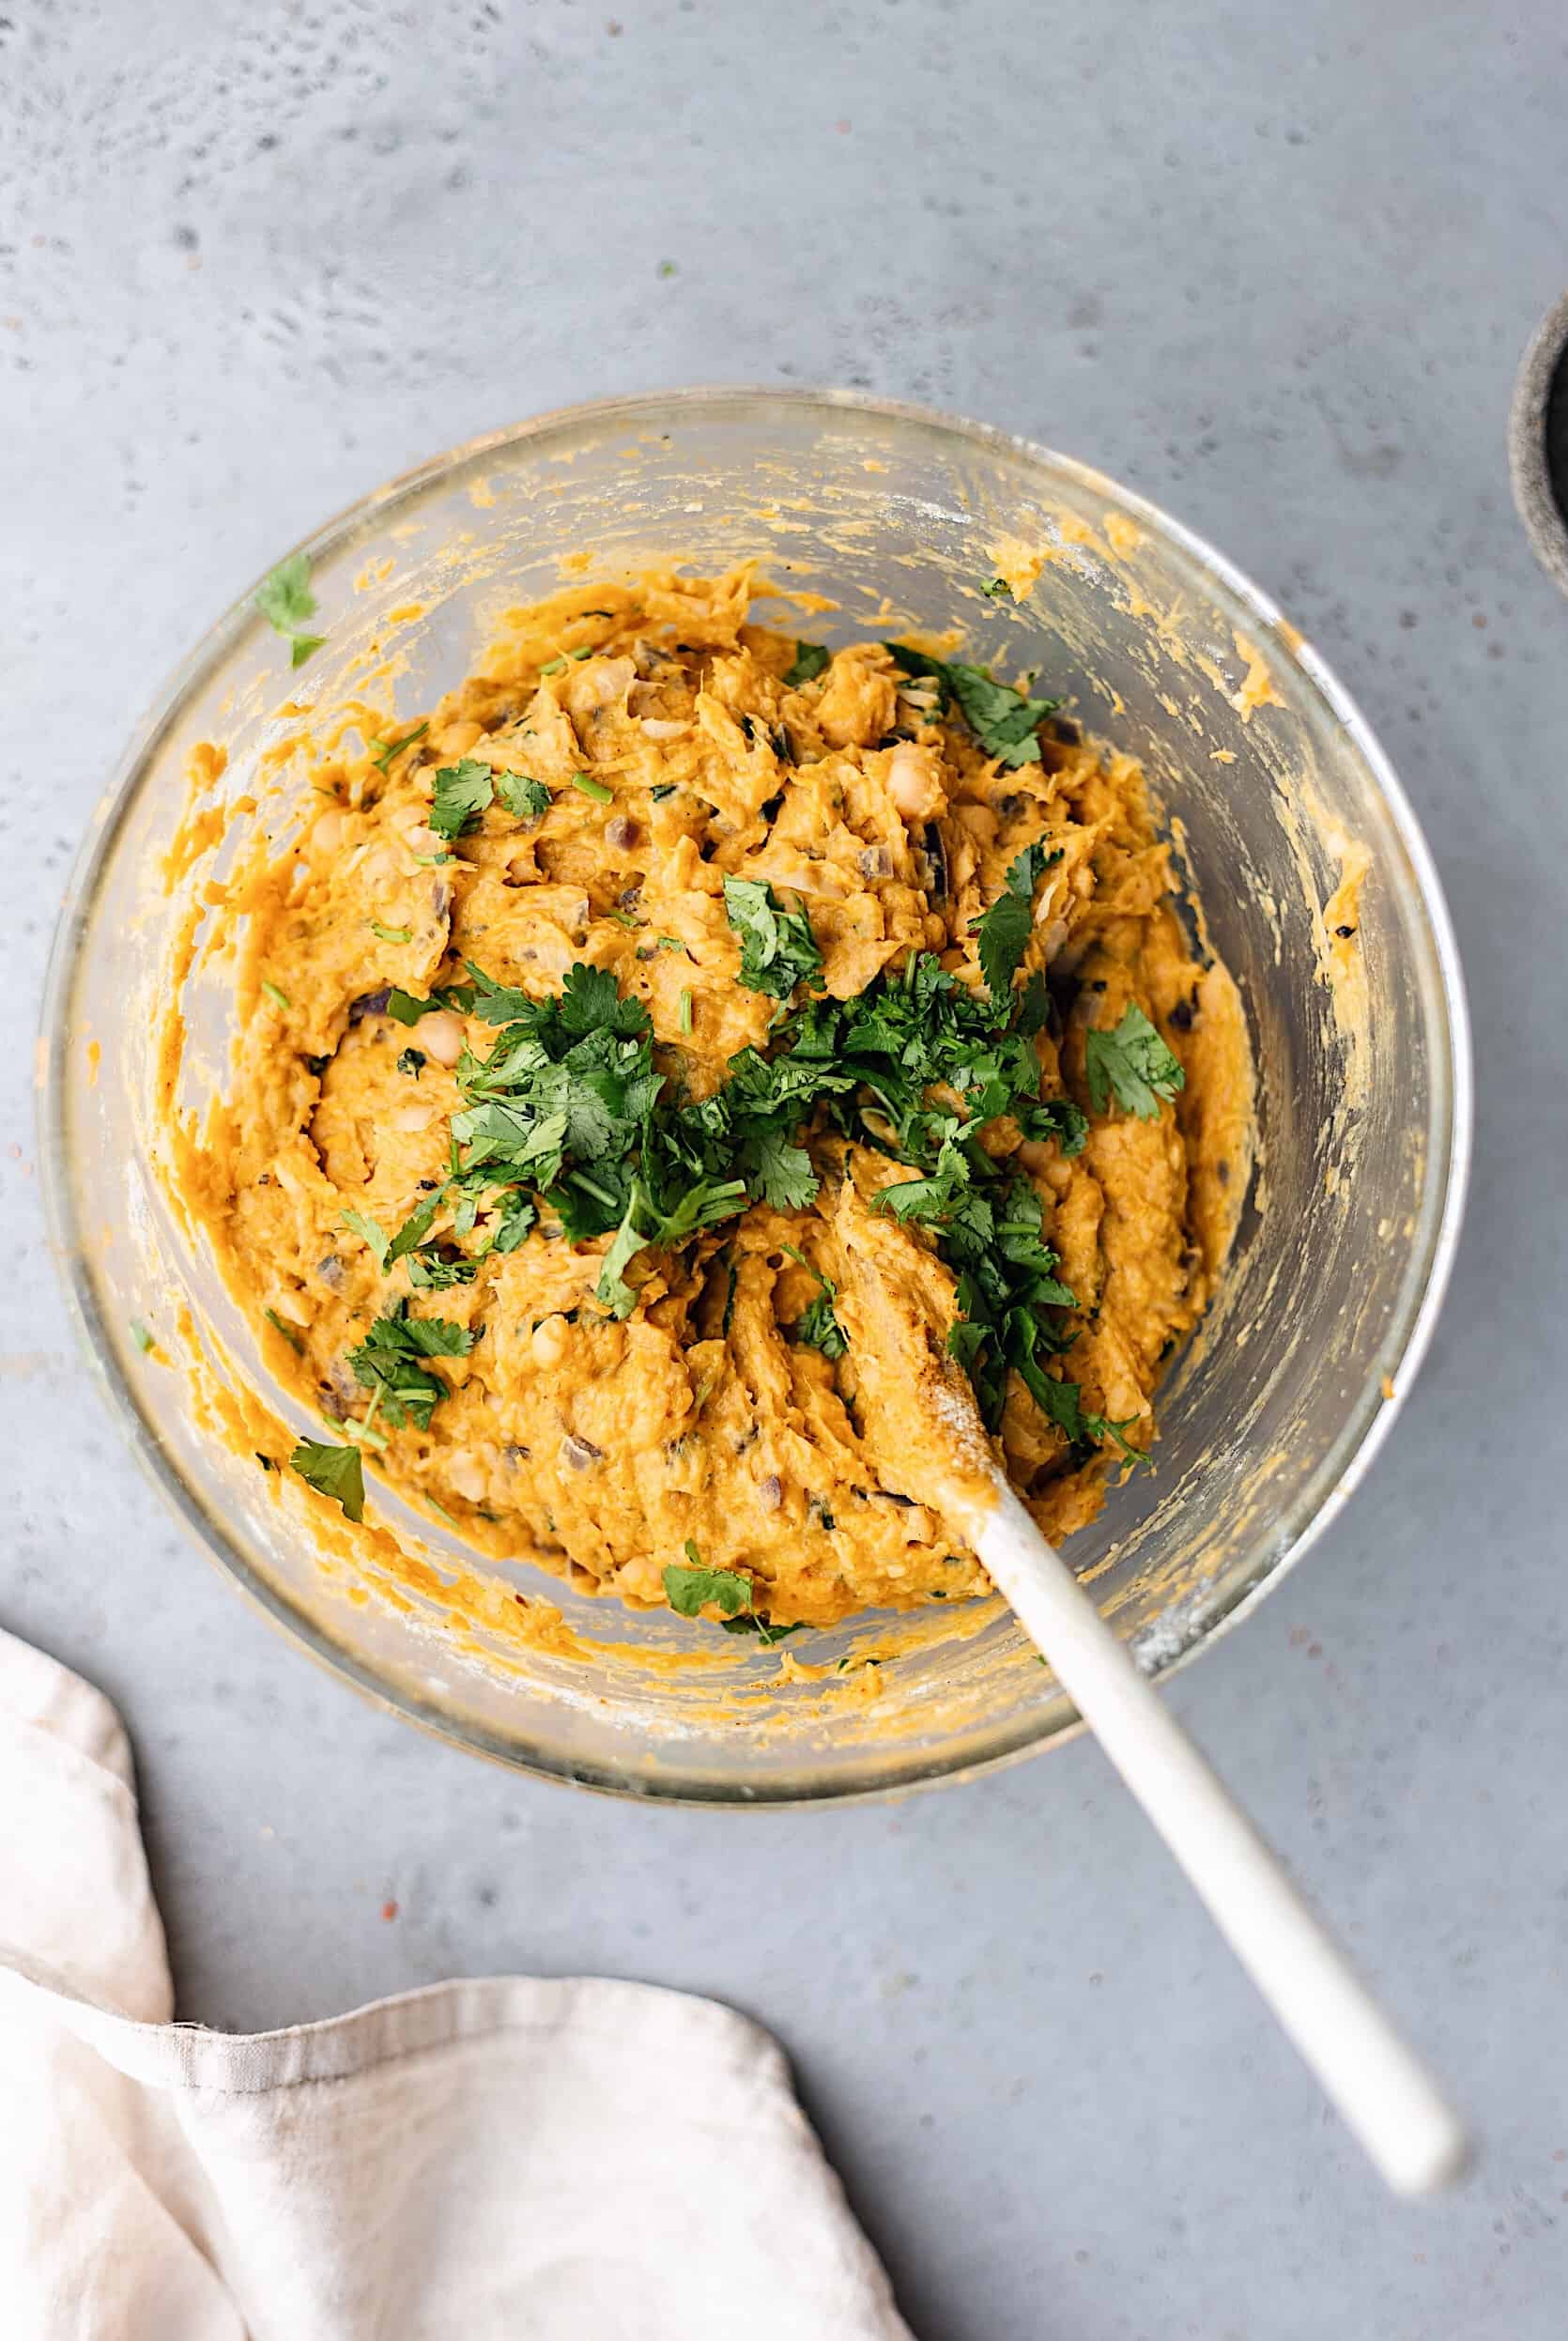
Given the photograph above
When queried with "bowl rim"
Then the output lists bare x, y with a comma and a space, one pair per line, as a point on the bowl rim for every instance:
1369, 1422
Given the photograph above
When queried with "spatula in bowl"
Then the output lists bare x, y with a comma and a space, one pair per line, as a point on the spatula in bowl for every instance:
926, 1416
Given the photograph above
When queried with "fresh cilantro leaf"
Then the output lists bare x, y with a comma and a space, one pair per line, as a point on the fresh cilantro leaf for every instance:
819, 1328
1003, 933
591, 1002
495, 1133
390, 934
420, 1336
386, 1362
1134, 1062
415, 1228
1056, 1117
809, 660
528, 799
687, 1589
1032, 1013
514, 1223
385, 752
780, 1172
1002, 719
778, 948
612, 1292
286, 601
411, 1061
1003, 936
335, 1472
594, 789
367, 1230
432, 1270
462, 791
763, 1627
500, 1003
644, 1227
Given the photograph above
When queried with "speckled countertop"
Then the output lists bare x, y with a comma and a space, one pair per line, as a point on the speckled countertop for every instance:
1274, 268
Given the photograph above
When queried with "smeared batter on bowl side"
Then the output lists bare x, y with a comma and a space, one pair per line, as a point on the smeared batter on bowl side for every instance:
582, 1003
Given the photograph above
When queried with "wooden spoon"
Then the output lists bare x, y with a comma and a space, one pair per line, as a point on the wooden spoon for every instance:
926, 1415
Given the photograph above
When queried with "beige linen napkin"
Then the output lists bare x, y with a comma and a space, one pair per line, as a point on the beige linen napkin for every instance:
546, 2161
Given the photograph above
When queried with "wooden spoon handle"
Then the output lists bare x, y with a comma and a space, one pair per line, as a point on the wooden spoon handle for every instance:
1383, 2091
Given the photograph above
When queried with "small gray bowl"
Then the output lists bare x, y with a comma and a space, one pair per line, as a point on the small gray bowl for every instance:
1538, 444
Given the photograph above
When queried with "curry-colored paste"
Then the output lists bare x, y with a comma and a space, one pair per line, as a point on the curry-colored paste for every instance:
674, 752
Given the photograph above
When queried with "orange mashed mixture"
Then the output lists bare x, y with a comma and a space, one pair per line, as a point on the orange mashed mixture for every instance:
671, 744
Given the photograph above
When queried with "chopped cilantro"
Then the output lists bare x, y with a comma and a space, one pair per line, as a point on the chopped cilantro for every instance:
431, 1269
1003, 933
411, 1061
367, 1230
1002, 719
406, 1009
286, 601
384, 752
390, 934
335, 1472
763, 1627
998, 590
778, 948
414, 1229
817, 1328
462, 791
687, 1589
1134, 1062
527, 798
387, 1363
809, 660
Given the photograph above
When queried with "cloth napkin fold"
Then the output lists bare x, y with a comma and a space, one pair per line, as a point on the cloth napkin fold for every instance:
546, 2161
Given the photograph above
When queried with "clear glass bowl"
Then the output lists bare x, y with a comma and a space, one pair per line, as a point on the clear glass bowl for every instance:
1270, 778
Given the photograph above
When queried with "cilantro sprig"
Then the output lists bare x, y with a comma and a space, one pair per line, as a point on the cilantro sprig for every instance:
386, 1362
777, 948
286, 601
1134, 1063
809, 660
689, 1587
1006, 723
1002, 935
461, 792
335, 1472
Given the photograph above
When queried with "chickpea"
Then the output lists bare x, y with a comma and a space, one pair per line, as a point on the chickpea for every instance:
912, 781
441, 1035
465, 1473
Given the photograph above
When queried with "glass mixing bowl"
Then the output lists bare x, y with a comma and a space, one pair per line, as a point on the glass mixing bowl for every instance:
1275, 792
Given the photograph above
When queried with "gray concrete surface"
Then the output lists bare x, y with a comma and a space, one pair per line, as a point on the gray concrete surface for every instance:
1274, 266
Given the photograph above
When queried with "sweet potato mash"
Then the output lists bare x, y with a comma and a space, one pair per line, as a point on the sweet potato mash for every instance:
579, 1006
